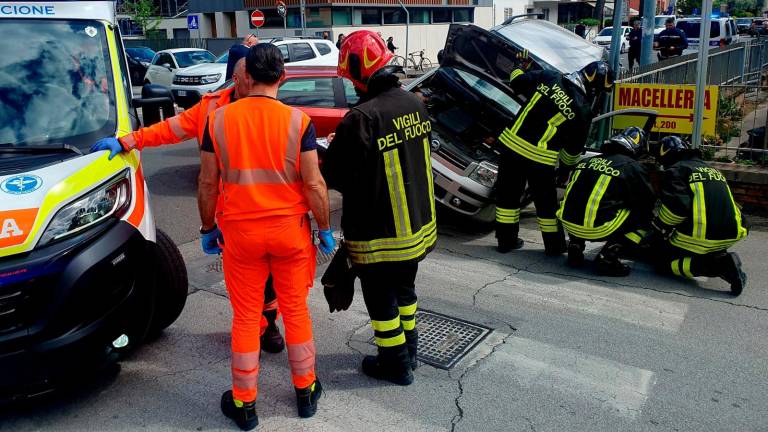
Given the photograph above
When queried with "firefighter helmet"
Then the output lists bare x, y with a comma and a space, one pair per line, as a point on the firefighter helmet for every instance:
362, 54
597, 77
669, 150
630, 142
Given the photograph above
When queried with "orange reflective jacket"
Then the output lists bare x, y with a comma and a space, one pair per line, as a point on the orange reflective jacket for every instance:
187, 125
257, 143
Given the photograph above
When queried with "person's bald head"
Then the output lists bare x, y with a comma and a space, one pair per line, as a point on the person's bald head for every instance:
238, 77
250, 40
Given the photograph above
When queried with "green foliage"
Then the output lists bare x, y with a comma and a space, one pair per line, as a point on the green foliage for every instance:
589, 22
747, 8
708, 153
143, 13
729, 115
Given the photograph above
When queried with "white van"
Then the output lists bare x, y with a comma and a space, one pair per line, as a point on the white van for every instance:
722, 32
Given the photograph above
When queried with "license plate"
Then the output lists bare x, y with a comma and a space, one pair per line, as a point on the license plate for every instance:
182, 92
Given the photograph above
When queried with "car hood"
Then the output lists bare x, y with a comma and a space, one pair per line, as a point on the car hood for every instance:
203, 69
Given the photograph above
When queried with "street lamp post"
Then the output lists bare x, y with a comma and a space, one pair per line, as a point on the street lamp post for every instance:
701, 76
407, 31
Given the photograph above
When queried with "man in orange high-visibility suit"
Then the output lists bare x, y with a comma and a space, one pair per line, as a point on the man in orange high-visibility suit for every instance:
261, 156
187, 125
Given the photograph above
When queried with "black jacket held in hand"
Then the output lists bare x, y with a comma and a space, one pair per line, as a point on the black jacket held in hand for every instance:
379, 161
603, 192
553, 121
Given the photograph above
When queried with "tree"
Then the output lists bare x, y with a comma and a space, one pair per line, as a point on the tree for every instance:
144, 13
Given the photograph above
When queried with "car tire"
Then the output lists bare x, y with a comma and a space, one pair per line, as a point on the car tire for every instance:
170, 283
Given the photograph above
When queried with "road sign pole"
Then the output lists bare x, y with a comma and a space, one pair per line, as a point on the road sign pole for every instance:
646, 44
407, 29
285, 26
701, 76
616, 36
302, 5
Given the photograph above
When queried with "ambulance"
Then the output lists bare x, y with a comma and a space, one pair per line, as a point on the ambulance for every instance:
84, 274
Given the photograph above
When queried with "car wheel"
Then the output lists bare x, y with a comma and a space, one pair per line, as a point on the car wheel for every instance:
170, 283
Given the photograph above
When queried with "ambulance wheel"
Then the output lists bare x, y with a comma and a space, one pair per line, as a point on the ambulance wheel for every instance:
171, 283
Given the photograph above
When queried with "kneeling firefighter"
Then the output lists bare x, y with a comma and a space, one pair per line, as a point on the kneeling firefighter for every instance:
551, 126
609, 198
379, 161
698, 218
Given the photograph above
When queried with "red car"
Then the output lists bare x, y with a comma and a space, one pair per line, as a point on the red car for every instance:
318, 91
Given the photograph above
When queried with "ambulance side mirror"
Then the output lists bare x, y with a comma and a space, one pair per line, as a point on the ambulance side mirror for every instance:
156, 104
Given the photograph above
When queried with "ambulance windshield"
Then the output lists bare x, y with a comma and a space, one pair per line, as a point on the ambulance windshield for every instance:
56, 84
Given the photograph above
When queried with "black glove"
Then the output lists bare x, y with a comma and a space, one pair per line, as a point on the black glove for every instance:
339, 281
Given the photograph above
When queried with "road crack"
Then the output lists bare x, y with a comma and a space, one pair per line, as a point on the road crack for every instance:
351, 335
474, 296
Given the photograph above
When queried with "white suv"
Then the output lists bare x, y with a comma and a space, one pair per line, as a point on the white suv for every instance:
308, 52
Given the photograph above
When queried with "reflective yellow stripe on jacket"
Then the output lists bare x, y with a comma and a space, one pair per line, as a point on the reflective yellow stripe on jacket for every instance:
535, 152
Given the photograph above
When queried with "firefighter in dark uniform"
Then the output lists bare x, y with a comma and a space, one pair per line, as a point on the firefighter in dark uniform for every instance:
552, 125
698, 219
609, 198
379, 160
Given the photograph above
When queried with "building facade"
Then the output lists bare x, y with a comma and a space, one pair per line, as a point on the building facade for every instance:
429, 19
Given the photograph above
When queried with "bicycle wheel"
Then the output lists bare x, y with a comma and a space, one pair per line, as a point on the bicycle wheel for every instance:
425, 64
398, 61
411, 64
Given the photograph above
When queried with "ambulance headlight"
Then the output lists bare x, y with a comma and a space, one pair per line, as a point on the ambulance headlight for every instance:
111, 199
485, 173
210, 79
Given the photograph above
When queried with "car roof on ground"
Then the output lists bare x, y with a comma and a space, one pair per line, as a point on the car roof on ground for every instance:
307, 71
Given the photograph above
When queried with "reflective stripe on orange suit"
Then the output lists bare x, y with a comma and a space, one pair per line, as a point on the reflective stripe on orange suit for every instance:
263, 217
187, 125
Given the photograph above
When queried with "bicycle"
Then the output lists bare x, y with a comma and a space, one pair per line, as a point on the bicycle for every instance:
424, 63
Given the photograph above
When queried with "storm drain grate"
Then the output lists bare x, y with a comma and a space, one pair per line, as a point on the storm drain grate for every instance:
444, 340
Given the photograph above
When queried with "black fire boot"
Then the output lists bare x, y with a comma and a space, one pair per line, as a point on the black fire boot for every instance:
506, 246
576, 253
554, 243
393, 364
412, 342
607, 262
272, 341
506, 235
306, 399
729, 269
244, 414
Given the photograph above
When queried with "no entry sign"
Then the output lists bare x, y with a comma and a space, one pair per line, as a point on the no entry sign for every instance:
257, 18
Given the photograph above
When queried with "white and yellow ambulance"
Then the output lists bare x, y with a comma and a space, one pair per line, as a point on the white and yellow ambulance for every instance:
84, 273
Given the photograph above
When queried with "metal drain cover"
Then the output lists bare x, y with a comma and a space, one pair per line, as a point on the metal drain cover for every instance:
444, 340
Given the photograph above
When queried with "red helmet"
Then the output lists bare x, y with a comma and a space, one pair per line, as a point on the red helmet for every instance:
362, 54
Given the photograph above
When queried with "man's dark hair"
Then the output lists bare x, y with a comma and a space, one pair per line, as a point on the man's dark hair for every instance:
670, 20
264, 63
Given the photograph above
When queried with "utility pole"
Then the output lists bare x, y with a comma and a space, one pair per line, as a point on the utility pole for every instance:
646, 44
616, 36
701, 76
302, 11
407, 30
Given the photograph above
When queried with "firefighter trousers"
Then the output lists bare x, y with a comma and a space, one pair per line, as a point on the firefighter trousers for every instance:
680, 262
280, 246
624, 242
389, 291
514, 172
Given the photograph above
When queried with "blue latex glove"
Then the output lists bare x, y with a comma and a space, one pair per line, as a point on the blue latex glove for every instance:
212, 242
327, 242
109, 143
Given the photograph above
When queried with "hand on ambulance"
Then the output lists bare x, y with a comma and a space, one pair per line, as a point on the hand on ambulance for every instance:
108, 143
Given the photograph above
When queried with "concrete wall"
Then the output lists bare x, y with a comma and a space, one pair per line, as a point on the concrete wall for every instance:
223, 26
539, 6
169, 24
518, 8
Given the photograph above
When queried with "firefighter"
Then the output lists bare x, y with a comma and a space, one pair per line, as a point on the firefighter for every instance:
553, 124
698, 219
187, 125
379, 161
609, 198
265, 228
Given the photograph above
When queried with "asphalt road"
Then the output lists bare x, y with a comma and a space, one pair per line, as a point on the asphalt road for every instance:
569, 351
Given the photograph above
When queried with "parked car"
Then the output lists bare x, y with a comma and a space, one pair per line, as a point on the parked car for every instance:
743, 25
659, 22
139, 59
308, 52
318, 91
603, 38
470, 102
167, 62
722, 32
190, 84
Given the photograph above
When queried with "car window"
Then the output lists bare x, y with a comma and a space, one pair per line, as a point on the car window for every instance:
349, 92
284, 51
156, 60
191, 58
692, 29
489, 91
302, 51
164, 58
313, 92
223, 59
322, 48
606, 31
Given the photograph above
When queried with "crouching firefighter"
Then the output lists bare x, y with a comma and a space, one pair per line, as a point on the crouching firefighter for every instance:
190, 124
609, 198
552, 125
698, 219
379, 161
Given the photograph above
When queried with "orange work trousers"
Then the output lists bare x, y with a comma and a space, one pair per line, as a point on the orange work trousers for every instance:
282, 246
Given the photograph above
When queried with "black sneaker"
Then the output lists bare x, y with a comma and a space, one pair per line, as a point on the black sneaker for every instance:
306, 399
611, 267
272, 341
244, 414
374, 369
507, 246
730, 271
575, 255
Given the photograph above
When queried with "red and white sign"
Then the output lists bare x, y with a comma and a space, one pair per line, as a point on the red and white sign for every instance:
257, 18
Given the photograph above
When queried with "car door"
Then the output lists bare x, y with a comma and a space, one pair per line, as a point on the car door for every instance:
165, 75
302, 54
317, 97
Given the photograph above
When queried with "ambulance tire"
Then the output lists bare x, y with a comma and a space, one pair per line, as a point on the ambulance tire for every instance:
170, 284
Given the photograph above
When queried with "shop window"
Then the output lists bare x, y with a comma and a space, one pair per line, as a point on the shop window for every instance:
419, 16
319, 17
367, 17
462, 15
441, 16
396, 16
342, 16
